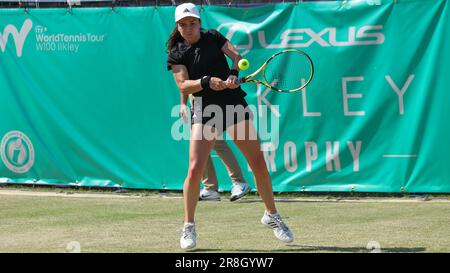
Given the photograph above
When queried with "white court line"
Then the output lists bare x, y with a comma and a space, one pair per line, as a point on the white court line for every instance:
4, 192
61, 194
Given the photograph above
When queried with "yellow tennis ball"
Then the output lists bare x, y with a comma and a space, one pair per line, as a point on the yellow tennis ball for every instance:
243, 64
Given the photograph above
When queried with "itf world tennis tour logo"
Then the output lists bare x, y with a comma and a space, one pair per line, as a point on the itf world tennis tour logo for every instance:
17, 152
46, 39
18, 37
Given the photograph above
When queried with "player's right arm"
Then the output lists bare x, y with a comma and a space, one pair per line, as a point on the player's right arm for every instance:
188, 86
185, 85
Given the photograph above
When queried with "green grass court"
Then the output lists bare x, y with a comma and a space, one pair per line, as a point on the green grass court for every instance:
151, 223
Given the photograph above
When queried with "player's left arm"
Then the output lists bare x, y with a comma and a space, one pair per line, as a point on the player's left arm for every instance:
231, 52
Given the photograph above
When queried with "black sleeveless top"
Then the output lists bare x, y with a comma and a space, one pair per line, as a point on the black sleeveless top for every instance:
205, 58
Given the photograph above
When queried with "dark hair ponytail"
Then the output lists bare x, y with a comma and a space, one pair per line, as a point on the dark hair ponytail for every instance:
174, 38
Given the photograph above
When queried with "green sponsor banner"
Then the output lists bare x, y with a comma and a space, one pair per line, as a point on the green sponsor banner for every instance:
86, 98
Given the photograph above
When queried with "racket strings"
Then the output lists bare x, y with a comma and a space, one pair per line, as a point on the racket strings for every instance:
288, 71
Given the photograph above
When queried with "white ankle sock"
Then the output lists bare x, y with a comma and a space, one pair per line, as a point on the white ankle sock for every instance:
274, 214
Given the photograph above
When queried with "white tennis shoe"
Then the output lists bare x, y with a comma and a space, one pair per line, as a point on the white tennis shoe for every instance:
209, 195
239, 190
188, 237
280, 229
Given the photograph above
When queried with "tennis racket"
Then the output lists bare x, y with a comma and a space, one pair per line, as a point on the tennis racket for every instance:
287, 71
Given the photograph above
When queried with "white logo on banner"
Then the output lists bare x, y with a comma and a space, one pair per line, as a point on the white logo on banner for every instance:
243, 40
47, 41
19, 37
17, 152
241, 35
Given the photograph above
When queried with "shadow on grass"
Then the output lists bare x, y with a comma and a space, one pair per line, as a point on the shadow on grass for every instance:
334, 200
286, 201
305, 248
204, 250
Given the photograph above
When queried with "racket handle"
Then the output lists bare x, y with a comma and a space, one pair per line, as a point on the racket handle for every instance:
239, 81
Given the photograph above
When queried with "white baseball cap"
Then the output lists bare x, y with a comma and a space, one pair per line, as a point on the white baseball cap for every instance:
186, 10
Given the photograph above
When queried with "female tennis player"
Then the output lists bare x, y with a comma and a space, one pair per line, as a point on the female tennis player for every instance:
197, 60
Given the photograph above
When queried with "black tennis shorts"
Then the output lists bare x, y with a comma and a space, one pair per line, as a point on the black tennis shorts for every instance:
220, 114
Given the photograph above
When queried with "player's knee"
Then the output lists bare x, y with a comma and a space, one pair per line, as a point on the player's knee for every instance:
195, 171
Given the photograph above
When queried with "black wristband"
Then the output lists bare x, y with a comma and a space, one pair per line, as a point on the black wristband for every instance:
204, 82
234, 72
